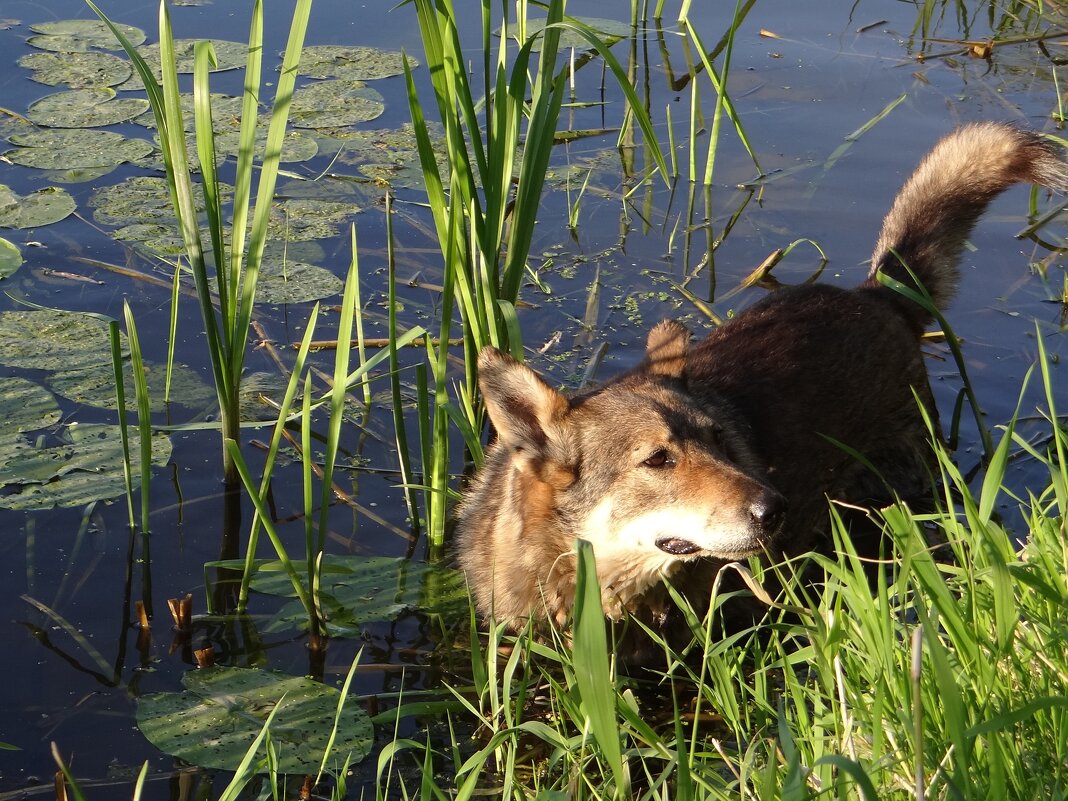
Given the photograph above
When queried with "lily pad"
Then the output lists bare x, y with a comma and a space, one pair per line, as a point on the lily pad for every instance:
80, 35
608, 31
351, 63
335, 103
10, 258
299, 283
84, 108
231, 55
86, 467
390, 155
75, 148
25, 406
215, 720
12, 123
95, 386
225, 114
43, 207
141, 198
52, 340
77, 175
357, 590
304, 219
77, 70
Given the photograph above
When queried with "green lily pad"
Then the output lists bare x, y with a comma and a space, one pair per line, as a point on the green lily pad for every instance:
304, 219
335, 103
86, 467
75, 148
357, 590
231, 55
25, 406
77, 70
12, 123
351, 63
84, 108
77, 175
141, 198
299, 283
43, 207
95, 386
154, 239
10, 258
222, 710
80, 35
389, 155
608, 31
53, 340
225, 114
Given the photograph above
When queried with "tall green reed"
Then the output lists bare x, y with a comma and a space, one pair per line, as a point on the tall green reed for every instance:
498, 142
235, 250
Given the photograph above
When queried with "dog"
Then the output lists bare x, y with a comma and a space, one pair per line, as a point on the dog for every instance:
709, 453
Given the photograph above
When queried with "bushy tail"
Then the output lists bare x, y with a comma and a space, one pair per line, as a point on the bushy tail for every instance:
938, 206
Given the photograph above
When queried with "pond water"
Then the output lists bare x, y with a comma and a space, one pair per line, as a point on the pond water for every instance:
805, 77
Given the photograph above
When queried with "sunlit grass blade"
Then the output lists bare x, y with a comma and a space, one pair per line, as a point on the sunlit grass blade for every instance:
272, 450
120, 398
592, 671
144, 415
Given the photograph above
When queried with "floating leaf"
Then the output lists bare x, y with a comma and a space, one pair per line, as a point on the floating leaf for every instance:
389, 155
25, 406
231, 55
335, 103
357, 590
77, 70
351, 63
304, 219
78, 175
53, 340
225, 114
43, 207
12, 123
10, 258
215, 720
84, 108
608, 31
141, 198
84, 468
75, 148
79, 35
95, 386
299, 283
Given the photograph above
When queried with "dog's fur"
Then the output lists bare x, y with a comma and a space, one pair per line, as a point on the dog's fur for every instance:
709, 453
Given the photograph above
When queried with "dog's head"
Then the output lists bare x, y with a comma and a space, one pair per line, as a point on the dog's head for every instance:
640, 468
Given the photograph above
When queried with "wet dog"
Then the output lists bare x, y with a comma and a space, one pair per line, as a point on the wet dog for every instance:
732, 446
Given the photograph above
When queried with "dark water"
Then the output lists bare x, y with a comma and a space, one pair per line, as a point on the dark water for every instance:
824, 75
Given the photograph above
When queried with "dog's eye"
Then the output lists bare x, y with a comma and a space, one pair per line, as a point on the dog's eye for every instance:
660, 458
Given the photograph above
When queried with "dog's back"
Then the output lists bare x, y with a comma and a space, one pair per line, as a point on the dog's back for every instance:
695, 456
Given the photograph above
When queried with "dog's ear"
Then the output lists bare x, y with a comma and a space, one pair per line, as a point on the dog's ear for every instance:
665, 349
524, 409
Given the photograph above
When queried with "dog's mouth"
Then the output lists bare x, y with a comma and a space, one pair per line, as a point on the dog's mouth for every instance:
676, 546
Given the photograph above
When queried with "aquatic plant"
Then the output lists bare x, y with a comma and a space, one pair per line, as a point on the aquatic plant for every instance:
230, 269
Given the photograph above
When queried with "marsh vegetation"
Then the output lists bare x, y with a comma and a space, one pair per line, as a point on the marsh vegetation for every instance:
280, 260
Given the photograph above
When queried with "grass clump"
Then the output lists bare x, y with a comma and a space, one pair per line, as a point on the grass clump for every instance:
945, 676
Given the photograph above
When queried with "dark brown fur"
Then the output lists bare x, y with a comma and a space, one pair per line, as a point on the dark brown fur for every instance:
694, 457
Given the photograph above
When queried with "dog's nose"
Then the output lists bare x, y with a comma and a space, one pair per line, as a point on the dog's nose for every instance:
767, 512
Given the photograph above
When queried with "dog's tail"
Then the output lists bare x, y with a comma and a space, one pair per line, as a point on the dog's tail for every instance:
936, 209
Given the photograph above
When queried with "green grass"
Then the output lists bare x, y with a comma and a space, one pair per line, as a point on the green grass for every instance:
946, 679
